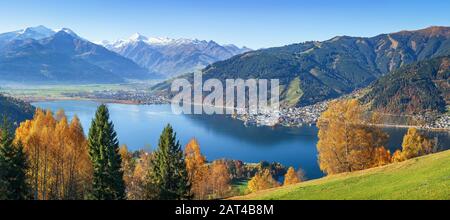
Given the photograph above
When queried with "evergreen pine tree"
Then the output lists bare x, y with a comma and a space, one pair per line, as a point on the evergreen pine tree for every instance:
108, 183
13, 166
168, 174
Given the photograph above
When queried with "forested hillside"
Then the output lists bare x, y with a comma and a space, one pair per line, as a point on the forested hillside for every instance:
315, 71
15, 109
416, 88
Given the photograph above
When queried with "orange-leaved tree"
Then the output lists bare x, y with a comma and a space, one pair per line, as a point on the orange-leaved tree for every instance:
59, 162
196, 168
262, 180
348, 139
218, 180
291, 177
382, 156
414, 144
128, 166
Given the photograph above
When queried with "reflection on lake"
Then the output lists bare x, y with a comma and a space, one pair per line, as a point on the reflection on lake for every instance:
139, 126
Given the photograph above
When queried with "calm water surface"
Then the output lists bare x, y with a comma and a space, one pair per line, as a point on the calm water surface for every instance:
139, 127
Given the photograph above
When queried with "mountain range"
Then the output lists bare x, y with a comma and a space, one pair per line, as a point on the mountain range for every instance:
172, 57
315, 71
39, 55
406, 71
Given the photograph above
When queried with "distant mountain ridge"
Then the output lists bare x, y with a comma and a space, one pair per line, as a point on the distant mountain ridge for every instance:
171, 57
40, 55
311, 72
35, 33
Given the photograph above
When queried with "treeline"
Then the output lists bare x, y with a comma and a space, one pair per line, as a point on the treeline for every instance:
207, 179
50, 158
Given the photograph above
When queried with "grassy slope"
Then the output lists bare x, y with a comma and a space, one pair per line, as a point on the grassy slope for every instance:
294, 92
426, 177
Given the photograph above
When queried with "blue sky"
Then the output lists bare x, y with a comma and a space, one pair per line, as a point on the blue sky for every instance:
253, 23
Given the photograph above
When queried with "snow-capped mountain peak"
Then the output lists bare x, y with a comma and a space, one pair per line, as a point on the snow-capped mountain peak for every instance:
137, 37
160, 40
41, 30
182, 41
36, 33
69, 32
156, 42
169, 56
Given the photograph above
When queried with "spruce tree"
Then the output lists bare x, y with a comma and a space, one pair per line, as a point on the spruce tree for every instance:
108, 183
168, 174
13, 166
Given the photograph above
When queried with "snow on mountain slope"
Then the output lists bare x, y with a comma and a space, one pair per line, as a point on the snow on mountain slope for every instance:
63, 57
171, 57
36, 33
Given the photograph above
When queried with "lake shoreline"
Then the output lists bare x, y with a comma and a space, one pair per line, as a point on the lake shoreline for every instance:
133, 102
139, 126
106, 101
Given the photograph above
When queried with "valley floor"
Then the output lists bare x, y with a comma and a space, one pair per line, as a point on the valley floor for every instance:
426, 177
138, 93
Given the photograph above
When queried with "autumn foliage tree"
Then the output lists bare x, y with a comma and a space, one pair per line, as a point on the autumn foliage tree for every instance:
398, 156
208, 181
291, 177
59, 166
197, 169
414, 144
137, 187
218, 180
347, 139
135, 166
262, 180
382, 157
128, 167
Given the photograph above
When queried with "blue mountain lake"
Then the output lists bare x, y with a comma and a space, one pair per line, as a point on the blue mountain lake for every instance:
139, 127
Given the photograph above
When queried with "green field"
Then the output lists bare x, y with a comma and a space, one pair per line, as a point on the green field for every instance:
57, 90
36, 92
426, 177
294, 92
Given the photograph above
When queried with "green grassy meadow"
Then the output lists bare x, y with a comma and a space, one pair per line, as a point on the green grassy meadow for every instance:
426, 177
43, 92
